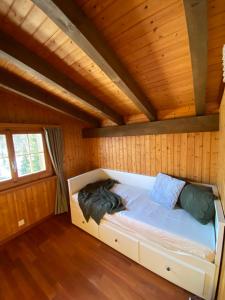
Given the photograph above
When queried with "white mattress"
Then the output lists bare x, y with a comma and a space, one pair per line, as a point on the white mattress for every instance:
174, 229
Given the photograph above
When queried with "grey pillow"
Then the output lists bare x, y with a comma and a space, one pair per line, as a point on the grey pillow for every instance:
199, 202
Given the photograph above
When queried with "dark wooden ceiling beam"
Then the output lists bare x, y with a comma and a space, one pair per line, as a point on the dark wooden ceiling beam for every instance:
197, 25
15, 84
10, 50
181, 125
71, 19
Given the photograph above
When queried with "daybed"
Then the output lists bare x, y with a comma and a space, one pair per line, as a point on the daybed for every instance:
170, 243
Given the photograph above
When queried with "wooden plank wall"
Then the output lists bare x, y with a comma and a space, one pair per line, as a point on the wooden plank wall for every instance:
18, 110
221, 187
188, 155
36, 201
31, 202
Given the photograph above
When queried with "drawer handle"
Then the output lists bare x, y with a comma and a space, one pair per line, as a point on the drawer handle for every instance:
116, 240
83, 222
168, 269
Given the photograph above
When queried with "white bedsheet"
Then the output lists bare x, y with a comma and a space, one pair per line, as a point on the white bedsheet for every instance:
174, 229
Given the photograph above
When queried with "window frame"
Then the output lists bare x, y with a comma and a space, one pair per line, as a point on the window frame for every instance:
16, 180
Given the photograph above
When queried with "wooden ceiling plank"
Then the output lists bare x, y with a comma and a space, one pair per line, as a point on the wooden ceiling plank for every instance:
21, 87
181, 125
71, 19
197, 26
10, 50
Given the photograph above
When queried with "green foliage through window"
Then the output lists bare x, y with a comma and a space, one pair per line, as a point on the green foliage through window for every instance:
29, 153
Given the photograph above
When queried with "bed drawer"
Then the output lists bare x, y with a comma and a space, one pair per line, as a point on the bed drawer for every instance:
77, 219
180, 273
122, 242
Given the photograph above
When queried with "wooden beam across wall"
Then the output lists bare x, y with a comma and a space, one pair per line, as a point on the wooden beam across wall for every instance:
197, 26
12, 51
21, 87
71, 19
181, 125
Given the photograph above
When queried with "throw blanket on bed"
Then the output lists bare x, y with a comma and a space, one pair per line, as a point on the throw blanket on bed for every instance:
96, 199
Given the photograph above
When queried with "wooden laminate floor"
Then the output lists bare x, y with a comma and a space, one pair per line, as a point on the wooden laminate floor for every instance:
56, 260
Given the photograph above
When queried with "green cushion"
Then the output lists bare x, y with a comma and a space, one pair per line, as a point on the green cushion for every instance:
199, 202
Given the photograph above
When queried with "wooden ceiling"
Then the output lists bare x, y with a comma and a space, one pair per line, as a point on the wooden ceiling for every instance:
150, 39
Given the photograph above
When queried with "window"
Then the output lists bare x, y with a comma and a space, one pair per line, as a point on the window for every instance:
23, 158
29, 153
5, 172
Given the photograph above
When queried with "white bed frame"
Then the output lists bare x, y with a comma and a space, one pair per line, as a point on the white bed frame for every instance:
194, 274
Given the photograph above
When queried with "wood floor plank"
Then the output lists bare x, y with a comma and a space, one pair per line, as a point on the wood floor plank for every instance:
57, 261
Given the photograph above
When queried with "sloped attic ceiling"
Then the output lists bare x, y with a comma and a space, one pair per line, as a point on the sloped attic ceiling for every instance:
150, 38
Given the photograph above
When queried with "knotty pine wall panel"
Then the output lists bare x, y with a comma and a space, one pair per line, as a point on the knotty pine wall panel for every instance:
37, 200
31, 202
221, 187
189, 155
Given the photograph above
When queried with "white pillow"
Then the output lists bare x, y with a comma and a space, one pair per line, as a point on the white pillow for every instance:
166, 190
